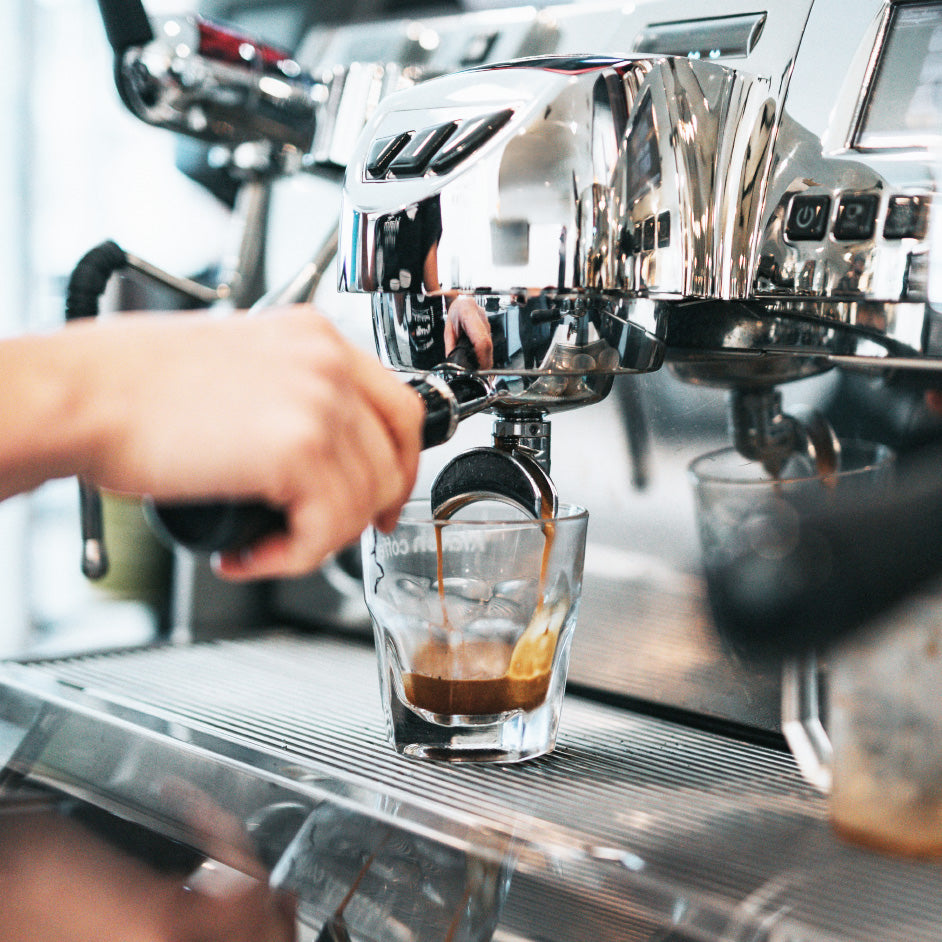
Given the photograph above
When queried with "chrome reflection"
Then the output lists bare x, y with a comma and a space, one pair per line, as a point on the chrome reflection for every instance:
547, 353
357, 877
637, 175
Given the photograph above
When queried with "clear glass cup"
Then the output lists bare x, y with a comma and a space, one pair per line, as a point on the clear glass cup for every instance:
871, 743
864, 720
758, 566
473, 619
741, 508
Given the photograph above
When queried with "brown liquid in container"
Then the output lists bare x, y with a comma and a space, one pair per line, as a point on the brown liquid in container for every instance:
473, 678
470, 679
914, 845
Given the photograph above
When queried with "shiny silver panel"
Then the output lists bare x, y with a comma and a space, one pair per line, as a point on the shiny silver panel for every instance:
637, 176
625, 458
690, 181
874, 281
211, 83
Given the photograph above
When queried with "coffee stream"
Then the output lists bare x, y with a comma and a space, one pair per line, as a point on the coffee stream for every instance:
489, 676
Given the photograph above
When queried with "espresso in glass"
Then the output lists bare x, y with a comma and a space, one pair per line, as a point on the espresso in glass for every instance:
473, 621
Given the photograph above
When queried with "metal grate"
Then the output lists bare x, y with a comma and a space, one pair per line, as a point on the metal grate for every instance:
724, 833
669, 653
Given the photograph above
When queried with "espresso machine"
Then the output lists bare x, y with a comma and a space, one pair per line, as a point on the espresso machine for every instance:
666, 232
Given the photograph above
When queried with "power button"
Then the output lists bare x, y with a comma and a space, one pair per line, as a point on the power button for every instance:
808, 218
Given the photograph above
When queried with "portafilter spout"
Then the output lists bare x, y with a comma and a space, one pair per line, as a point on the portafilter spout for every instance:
763, 432
514, 471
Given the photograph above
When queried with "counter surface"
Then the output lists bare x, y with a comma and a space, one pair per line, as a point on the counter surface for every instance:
636, 827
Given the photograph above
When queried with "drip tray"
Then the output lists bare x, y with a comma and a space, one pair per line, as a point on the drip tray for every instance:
635, 827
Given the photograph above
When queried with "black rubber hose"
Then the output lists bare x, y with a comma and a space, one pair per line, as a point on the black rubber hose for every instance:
86, 285
90, 277
126, 23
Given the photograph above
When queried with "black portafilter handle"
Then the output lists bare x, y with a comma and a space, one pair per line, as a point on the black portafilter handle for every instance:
231, 526
845, 566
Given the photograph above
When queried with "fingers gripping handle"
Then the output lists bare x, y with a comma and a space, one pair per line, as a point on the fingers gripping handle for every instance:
231, 526
215, 526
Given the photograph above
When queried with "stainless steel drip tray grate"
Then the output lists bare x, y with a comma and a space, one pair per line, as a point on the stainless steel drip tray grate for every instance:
631, 817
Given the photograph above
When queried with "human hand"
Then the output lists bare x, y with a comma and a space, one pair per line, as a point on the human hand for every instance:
276, 407
63, 882
466, 316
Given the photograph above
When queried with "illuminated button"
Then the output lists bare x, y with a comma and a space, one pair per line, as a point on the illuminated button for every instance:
905, 218
415, 156
471, 135
808, 218
383, 151
856, 217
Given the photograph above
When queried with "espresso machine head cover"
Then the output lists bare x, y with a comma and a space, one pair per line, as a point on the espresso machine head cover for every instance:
570, 197
577, 175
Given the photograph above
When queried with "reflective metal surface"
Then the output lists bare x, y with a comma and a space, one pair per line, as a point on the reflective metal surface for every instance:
636, 828
599, 238
555, 192
570, 186
625, 458
551, 353
674, 179
214, 83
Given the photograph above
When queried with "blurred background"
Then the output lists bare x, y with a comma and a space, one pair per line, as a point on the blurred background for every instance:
75, 169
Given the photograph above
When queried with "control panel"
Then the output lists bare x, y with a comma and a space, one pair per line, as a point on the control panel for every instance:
855, 217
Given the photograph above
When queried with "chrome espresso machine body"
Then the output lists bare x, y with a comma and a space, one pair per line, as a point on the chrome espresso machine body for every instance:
665, 231
683, 229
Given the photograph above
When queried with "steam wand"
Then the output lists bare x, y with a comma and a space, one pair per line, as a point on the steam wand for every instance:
86, 285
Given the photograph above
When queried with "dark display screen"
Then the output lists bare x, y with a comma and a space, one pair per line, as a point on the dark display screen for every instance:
904, 105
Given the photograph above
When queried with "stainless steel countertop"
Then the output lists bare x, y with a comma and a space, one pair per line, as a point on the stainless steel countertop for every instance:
636, 827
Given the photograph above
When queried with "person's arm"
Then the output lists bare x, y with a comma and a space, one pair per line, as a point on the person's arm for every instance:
277, 407
63, 882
